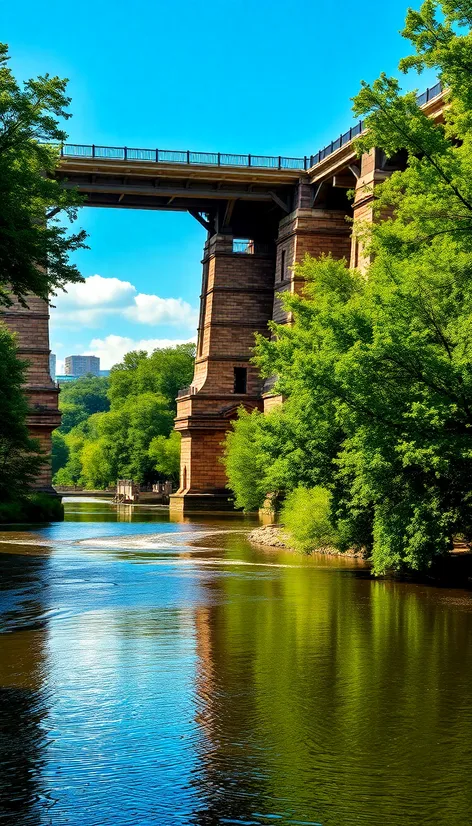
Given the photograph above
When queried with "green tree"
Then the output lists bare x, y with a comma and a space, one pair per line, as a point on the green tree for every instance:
19, 459
96, 469
263, 454
115, 443
71, 472
71, 415
165, 455
164, 372
60, 451
82, 398
377, 369
34, 243
90, 392
306, 516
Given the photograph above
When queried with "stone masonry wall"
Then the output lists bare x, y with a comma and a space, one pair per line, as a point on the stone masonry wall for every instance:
236, 302
31, 326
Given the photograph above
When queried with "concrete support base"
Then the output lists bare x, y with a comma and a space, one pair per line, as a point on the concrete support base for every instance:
182, 504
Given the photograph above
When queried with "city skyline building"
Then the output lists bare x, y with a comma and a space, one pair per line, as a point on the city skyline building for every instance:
79, 365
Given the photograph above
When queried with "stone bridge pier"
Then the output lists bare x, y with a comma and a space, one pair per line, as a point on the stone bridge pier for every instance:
241, 287
236, 302
31, 327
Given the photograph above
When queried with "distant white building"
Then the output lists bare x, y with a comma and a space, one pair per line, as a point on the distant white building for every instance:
52, 366
81, 365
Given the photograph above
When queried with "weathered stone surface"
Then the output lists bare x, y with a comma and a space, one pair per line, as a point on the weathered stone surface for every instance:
31, 326
273, 536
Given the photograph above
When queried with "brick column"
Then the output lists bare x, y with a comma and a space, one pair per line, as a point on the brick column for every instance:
371, 174
236, 302
306, 230
31, 326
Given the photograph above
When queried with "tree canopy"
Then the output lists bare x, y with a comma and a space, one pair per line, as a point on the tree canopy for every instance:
82, 398
377, 369
34, 242
121, 427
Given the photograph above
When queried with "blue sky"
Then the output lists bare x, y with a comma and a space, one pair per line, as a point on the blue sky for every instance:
263, 77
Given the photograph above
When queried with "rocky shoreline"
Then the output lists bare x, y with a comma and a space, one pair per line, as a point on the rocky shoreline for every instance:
274, 536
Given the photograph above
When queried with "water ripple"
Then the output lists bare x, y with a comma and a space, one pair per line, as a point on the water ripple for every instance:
216, 684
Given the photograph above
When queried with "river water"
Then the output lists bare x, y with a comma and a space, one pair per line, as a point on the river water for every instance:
154, 672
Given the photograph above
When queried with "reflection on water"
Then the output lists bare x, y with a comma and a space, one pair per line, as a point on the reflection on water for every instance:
163, 673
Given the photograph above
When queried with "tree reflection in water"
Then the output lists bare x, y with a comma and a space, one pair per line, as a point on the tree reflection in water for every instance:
198, 682
324, 696
23, 695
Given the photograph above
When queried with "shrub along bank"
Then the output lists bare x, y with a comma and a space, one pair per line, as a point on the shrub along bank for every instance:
34, 507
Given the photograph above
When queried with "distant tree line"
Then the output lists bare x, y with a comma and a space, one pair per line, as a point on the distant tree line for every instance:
122, 426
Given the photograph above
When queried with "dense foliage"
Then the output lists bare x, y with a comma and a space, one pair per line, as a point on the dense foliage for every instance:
164, 453
19, 459
121, 427
82, 398
377, 368
306, 516
30, 508
33, 251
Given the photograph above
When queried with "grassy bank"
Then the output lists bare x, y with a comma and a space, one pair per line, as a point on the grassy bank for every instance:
35, 507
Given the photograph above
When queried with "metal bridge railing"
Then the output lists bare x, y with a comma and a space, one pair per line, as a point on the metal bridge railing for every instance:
356, 130
186, 157
126, 153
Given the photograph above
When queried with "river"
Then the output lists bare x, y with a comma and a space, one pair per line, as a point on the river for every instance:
165, 673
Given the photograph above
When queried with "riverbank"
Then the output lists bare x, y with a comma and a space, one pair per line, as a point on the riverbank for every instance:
274, 536
31, 509
453, 570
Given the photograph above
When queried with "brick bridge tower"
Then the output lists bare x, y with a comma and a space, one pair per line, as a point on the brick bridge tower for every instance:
236, 302
241, 286
31, 326
317, 217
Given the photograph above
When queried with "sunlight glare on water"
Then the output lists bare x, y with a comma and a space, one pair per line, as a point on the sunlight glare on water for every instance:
154, 672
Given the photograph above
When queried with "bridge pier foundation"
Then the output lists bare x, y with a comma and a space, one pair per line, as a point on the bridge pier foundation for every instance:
236, 302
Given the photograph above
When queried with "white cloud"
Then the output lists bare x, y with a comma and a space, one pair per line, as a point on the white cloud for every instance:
150, 309
111, 349
97, 291
90, 303
80, 318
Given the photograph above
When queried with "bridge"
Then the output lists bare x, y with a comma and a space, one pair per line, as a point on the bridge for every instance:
223, 188
262, 215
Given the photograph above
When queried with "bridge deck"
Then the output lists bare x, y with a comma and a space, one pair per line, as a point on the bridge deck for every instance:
197, 188
204, 182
